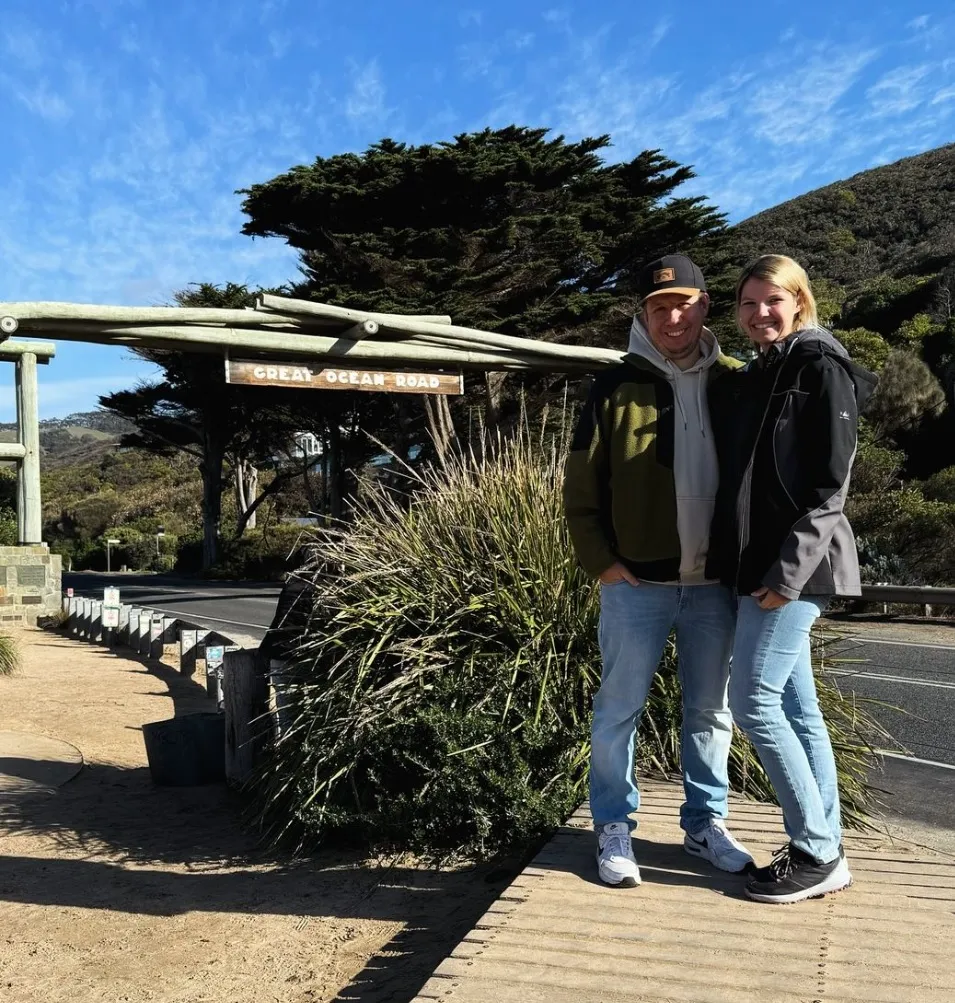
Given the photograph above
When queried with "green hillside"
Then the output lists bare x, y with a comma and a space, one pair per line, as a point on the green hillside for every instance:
897, 220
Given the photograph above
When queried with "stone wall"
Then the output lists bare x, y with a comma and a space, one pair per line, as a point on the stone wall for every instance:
31, 580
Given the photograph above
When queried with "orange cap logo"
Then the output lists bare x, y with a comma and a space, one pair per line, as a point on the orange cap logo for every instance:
663, 275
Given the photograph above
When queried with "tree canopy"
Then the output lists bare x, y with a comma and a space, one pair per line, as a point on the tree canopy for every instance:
507, 230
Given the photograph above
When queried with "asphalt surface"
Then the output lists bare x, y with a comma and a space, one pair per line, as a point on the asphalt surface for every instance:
908, 686
244, 608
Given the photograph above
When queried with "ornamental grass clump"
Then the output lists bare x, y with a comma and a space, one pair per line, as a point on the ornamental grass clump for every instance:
9, 655
439, 698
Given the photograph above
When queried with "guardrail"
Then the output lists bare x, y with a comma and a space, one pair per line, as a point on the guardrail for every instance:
248, 686
234, 676
912, 595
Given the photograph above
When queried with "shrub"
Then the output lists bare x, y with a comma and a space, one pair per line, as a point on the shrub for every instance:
867, 348
9, 655
439, 697
261, 554
941, 486
8, 526
910, 540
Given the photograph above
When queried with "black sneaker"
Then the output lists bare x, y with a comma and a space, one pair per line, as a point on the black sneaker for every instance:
794, 876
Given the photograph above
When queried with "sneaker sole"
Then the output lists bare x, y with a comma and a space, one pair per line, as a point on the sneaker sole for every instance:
624, 883
701, 854
838, 883
627, 882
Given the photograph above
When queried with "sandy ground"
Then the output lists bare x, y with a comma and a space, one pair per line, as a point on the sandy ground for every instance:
113, 889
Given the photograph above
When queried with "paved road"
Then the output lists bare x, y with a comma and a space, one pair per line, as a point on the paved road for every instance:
914, 683
237, 607
920, 678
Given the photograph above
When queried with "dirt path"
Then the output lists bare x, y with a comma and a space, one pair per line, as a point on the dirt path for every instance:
112, 889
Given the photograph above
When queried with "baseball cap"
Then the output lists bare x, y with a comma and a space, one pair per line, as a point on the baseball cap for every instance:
673, 273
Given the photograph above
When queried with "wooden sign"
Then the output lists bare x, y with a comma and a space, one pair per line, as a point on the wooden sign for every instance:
302, 377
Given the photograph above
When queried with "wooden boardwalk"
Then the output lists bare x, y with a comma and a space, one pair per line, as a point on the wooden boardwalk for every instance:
689, 935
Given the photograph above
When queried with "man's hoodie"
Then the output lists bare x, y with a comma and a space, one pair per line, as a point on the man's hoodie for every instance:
695, 468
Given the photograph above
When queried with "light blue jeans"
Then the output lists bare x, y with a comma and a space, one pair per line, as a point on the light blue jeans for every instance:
635, 622
773, 697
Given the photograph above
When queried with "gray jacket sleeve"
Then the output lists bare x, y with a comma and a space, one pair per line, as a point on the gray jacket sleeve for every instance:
827, 438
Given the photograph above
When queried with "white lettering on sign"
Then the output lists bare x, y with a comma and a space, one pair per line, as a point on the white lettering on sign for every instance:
419, 381
287, 374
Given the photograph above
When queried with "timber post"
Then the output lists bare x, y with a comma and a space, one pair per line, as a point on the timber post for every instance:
245, 701
29, 513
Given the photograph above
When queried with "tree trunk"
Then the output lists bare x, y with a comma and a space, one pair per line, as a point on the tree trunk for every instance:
494, 384
335, 471
213, 457
246, 491
238, 482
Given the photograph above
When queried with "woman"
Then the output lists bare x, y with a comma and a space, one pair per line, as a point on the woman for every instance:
786, 437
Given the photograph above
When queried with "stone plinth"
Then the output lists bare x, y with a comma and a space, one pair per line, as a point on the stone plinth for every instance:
31, 581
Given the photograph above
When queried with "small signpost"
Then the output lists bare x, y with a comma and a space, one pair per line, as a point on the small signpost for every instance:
110, 610
215, 656
110, 542
296, 376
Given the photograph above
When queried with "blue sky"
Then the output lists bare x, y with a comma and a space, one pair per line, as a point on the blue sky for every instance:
128, 124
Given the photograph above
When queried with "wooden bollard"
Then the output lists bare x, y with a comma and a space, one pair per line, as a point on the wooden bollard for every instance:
133, 626
122, 631
152, 632
86, 618
189, 641
245, 700
162, 636
96, 621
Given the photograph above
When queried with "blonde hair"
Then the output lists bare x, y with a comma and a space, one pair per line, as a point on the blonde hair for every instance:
789, 275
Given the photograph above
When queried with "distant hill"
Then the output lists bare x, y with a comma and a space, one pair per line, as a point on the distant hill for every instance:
898, 219
77, 438
95, 421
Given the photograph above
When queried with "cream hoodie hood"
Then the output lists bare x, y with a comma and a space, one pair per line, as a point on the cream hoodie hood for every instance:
695, 468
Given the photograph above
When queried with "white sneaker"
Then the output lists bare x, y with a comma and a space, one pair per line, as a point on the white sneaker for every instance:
714, 843
616, 863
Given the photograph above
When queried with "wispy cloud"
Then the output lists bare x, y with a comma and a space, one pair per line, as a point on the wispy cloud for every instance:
919, 23
659, 33
900, 90
23, 46
279, 42
366, 100
43, 101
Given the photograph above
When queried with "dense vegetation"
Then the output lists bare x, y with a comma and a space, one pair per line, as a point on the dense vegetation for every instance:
439, 697
130, 495
880, 250
516, 231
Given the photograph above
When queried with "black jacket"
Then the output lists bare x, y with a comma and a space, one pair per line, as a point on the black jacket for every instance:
785, 429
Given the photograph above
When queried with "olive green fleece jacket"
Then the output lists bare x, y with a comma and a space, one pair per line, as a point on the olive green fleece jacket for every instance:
640, 480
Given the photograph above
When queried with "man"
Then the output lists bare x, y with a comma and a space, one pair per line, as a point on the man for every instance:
639, 491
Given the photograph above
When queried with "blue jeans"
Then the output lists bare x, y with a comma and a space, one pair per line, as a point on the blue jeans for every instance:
635, 622
773, 697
